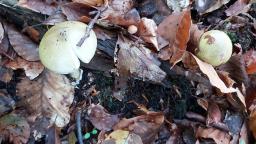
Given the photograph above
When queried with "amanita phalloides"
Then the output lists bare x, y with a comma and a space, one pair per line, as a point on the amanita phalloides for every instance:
58, 48
215, 47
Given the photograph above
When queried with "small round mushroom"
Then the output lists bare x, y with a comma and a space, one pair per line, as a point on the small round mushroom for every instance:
58, 50
215, 47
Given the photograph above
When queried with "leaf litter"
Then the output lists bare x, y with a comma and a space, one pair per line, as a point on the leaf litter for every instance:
158, 55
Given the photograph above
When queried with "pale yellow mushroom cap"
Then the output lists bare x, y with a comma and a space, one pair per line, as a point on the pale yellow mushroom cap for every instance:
58, 48
215, 47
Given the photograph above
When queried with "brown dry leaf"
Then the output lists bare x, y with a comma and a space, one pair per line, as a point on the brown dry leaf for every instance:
213, 76
7, 104
32, 33
100, 118
206, 6
218, 136
53, 136
121, 12
138, 61
147, 31
93, 3
176, 29
121, 137
49, 96
236, 69
32, 69
250, 61
146, 126
6, 74
214, 113
24, 46
195, 35
14, 129
55, 18
238, 7
38, 6
224, 76
74, 11
102, 33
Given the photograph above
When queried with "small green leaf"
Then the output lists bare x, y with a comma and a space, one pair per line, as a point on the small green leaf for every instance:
87, 136
94, 132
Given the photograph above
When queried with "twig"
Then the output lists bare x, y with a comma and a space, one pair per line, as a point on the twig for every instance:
202, 119
90, 26
78, 127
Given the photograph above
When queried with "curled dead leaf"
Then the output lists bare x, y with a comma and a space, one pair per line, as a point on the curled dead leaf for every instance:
32, 69
49, 96
135, 60
147, 30
14, 129
100, 118
121, 136
23, 45
38, 6
146, 126
218, 136
176, 29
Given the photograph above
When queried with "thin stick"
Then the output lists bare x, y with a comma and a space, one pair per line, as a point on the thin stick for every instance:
90, 26
78, 127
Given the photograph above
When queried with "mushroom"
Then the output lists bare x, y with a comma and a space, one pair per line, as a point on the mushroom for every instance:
58, 50
215, 47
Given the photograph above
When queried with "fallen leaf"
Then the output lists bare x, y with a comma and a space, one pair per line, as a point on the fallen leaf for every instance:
136, 60
49, 96
74, 11
177, 6
52, 136
238, 7
206, 6
38, 6
218, 136
93, 3
32, 69
236, 69
100, 118
147, 31
146, 126
24, 46
32, 33
224, 76
121, 137
195, 35
6, 74
7, 104
250, 61
176, 29
55, 18
213, 76
213, 114
121, 12
102, 33
14, 129
5, 48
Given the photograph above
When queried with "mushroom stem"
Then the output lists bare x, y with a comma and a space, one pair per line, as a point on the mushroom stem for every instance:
77, 75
